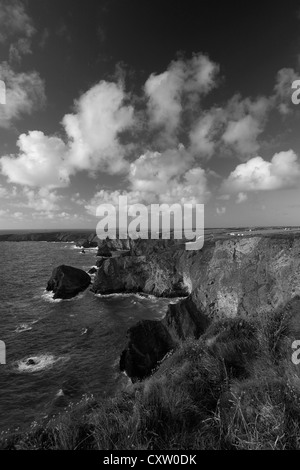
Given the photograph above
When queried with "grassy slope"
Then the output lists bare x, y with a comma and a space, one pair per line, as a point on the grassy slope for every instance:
234, 388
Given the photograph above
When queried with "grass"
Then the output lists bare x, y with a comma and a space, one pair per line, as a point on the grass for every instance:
234, 388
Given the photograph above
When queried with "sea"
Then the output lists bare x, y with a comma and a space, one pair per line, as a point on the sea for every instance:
59, 351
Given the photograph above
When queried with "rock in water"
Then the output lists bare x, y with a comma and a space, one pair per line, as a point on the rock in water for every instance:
93, 270
66, 282
149, 342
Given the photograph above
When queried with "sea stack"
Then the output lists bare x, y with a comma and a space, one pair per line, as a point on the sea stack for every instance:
66, 282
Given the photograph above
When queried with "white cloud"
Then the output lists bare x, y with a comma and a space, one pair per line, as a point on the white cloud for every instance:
241, 197
41, 162
41, 200
24, 94
3, 192
153, 171
245, 121
201, 136
93, 131
92, 144
186, 80
191, 189
283, 171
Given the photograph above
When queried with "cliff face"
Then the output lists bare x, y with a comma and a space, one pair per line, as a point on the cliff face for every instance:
151, 274
242, 277
245, 277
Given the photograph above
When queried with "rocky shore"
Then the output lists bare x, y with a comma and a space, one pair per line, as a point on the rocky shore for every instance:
216, 372
229, 278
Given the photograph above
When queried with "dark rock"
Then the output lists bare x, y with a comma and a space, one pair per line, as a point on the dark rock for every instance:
116, 275
156, 275
107, 247
149, 342
66, 282
184, 320
30, 362
104, 251
92, 270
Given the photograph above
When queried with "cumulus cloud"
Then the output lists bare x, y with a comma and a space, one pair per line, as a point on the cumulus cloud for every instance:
3, 192
241, 197
41, 200
283, 171
184, 81
92, 142
41, 162
93, 130
245, 121
201, 136
24, 94
191, 189
153, 171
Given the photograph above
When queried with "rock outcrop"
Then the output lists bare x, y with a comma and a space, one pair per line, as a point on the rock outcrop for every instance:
66, 282
149, 341
250, 278
151, 275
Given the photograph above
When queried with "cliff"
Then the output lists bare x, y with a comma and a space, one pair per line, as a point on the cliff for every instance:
82, 238
250, 278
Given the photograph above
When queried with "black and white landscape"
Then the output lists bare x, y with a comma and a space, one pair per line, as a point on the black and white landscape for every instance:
179, 335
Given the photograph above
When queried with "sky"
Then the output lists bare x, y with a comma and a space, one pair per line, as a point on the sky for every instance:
160, 101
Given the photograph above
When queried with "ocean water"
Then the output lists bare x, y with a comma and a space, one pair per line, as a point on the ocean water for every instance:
74, 344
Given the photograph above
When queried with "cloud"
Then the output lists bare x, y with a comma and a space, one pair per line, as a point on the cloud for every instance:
245, 121
93, 130
153, 171
179, 87
92, 142
168, 177
42, 200
283, 171
41, 162
25, 93
283, 90
241, 197
201, 136
16, 50
191, 189
221, 210
3, 192
14, 20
